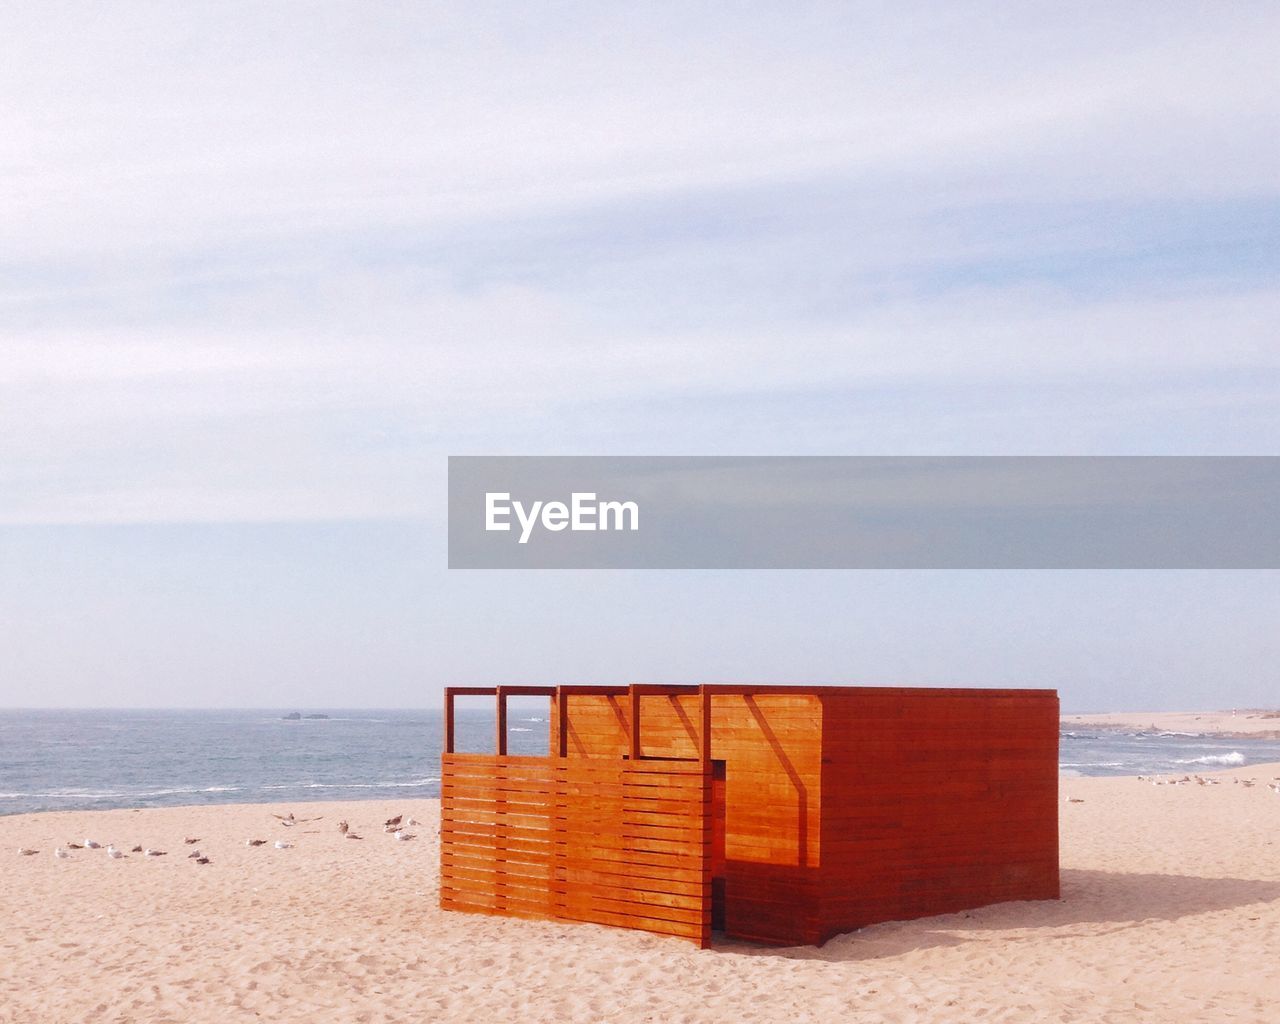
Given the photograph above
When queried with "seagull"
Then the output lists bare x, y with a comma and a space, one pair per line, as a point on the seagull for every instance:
190, 842
194, 854
414, 821
27, 853
282, 845
154, 853
90, 844
203, 860
352, 835
404, 837
288, 820
343, 827
113, 853
61, 854
394, 821
255, 842
74, 846
136, 849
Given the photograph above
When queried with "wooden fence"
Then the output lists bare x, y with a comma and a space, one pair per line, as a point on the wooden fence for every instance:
625, 843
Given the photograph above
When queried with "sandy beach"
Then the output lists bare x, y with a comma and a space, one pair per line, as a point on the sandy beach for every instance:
1240, 723
1170, 911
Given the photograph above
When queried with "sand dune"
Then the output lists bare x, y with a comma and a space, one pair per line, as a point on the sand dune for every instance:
1171, 912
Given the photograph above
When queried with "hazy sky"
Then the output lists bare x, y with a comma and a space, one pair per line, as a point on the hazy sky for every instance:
263, 267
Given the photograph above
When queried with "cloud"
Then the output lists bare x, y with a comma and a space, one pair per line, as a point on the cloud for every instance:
164, 127
263, 265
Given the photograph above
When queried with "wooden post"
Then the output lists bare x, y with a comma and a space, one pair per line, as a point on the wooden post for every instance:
634, 696
708, 810
562, 722
448, 720
704, 751
501, 747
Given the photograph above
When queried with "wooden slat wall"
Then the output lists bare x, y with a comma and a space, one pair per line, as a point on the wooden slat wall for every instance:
936, 802
604, 841
771, 747
497, 834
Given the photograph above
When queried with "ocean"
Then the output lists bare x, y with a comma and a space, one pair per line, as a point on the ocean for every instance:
91, 760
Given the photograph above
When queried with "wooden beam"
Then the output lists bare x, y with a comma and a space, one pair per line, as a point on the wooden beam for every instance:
704, 738
500, 693
562, 722
594, 691
448, 720
634, 696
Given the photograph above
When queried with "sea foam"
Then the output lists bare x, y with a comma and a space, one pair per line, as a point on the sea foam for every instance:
1235, 757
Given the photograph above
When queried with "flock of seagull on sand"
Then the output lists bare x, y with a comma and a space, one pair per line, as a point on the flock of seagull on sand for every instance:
1194, 780
1200, 780
395, 827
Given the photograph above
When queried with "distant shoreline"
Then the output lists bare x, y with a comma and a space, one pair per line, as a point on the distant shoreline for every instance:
1240, 724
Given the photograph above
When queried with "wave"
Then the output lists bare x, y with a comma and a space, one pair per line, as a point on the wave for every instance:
115, 794
82, 794
1094, 764
1235, 757
354, 785
179, 792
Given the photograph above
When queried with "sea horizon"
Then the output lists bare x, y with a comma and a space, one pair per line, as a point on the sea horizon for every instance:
61, 759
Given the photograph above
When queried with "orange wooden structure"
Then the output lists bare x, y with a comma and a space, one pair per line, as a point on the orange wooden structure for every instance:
779, 814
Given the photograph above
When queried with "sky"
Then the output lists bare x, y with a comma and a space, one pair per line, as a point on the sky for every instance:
264, 267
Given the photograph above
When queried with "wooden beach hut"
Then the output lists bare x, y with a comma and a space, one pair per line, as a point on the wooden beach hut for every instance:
783, 815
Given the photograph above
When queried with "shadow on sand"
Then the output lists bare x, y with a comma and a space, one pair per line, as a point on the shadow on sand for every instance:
1092, 903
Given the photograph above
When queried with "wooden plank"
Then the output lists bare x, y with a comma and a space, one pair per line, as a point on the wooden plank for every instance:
601, 854
461, 831
630, 915
661, 927
665, 879
668, 905
519, 860
490, 890
583, 905
633, 733
483, 878
497, 817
